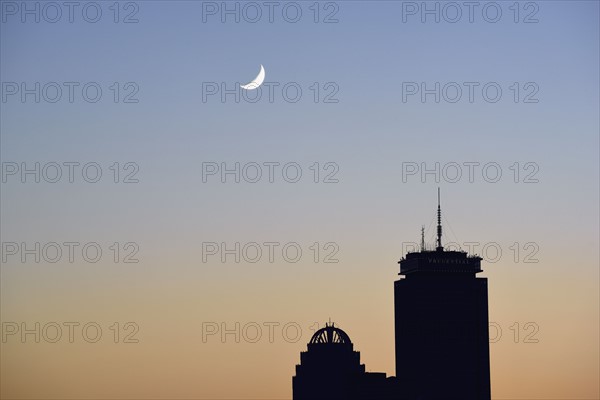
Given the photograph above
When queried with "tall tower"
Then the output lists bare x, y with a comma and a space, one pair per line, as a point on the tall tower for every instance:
441, 324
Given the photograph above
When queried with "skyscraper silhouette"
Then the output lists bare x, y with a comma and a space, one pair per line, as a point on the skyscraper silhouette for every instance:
442, 337
441, 323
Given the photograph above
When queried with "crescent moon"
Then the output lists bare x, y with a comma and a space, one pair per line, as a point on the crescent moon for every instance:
260, 78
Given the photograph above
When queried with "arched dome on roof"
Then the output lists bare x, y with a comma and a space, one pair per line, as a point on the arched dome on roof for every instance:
330, 334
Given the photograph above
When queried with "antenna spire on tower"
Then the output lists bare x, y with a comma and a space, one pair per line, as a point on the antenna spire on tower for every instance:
439, 225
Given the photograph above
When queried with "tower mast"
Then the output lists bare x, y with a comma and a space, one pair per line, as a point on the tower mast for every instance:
439, 225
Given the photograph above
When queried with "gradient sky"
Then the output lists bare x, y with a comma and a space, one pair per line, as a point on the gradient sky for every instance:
369, 214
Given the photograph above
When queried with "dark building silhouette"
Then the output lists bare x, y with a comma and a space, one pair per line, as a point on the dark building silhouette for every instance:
442, 327
331, 369
442, 338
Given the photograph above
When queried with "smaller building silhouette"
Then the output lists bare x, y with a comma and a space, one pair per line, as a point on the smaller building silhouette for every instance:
331, 369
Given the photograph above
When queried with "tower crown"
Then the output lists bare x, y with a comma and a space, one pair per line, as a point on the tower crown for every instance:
439, 261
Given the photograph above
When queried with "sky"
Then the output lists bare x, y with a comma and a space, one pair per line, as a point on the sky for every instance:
186, 237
